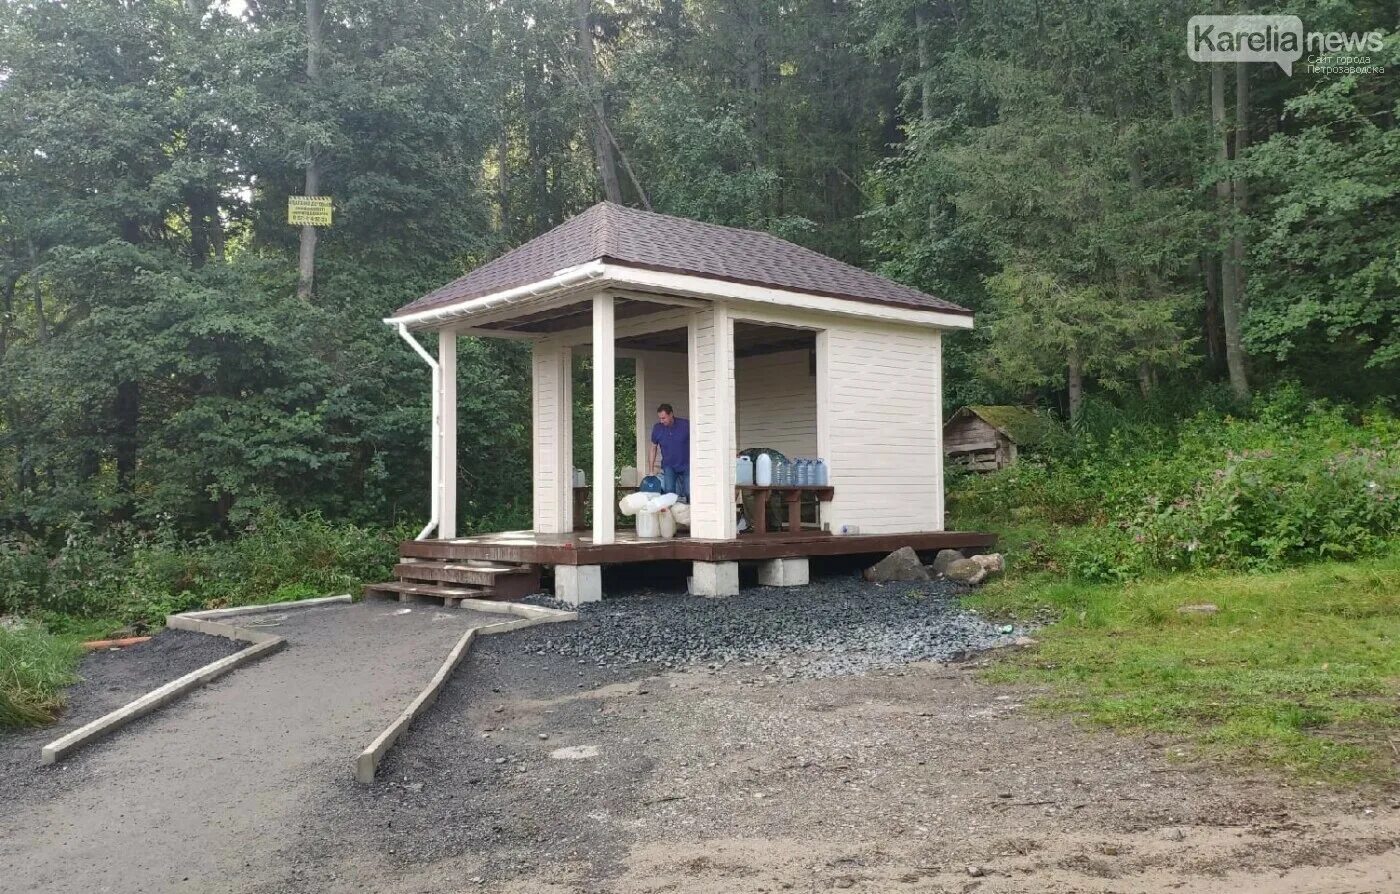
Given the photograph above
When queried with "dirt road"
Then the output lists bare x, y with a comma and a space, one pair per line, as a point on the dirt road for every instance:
922, 780
539, 773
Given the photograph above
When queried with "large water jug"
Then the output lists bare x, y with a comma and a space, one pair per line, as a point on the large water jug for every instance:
763, 471
743, 471
804, 473
823, 476
782, 473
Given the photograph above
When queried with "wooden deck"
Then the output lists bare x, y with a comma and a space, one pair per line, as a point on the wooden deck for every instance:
529, 548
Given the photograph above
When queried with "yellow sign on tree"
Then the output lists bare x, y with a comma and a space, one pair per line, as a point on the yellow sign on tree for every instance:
309, 211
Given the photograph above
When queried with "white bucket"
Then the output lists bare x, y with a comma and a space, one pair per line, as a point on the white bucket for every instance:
667, 523
648, 525
681, 513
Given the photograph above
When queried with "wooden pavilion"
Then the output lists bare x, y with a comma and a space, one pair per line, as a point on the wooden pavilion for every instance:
757, 341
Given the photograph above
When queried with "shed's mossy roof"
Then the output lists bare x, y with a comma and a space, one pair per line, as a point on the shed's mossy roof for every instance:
1021, 425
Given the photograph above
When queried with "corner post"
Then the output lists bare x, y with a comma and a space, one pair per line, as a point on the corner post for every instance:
604, 405
447, 434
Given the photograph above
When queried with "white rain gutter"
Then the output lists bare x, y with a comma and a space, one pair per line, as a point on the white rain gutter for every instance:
563, 279
438, 483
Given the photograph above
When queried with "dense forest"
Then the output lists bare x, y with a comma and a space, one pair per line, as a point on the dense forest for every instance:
1132, 228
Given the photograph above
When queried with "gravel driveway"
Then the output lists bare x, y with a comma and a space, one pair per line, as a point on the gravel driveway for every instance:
196, 796
811, 739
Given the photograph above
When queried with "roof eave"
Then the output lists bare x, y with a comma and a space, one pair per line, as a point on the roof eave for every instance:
607, 272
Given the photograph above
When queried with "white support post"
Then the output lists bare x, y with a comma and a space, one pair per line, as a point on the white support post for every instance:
643, 418
447, 433
552, 433
712, 435
604, 404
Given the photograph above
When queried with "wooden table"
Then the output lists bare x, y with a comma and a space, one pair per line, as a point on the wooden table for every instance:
791, 495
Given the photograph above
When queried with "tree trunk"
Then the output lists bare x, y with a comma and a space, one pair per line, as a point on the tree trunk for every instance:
1076, 387
128, 413
1240, 190
306, 261
588, 74
1229, 275
41, 322
503, 175
925, 63
1211, 332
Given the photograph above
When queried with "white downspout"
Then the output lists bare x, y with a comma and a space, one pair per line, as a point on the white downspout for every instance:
437, 483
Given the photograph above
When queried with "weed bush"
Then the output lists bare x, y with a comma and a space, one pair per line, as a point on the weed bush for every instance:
124, 578
1296, 481
35, 666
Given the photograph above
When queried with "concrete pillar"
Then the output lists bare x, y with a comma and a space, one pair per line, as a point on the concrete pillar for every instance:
552, 433
577, 584
604, 405
783, 572
714, 579
447, 444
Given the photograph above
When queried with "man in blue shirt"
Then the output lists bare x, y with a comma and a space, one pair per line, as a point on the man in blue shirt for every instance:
670, 437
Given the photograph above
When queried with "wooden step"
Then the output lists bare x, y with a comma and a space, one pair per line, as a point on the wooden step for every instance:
496, 579
416, 592
484, 574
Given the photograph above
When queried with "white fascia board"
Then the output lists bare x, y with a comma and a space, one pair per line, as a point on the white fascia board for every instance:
705, 287
435, 317
604, 275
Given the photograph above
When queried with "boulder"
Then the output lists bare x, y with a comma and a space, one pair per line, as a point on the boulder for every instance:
945, 558
966, 571
1203, 608
994, 563
902, 564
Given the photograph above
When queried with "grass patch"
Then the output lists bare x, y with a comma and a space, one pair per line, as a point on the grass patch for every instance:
35, 666
1299, 669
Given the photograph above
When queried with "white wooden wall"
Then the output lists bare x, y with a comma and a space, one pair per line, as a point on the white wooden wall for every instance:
879, 418
662, 377
883, 427
776, 401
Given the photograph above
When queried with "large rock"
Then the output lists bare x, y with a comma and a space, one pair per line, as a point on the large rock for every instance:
994, 563
945, 558
902, 564
966, 571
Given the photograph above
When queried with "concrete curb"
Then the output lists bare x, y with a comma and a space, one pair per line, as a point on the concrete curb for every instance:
261, 644
259, 609
529, 615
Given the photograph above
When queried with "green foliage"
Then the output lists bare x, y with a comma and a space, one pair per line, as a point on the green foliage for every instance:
35, 666
131, 579
1295, 671
1298, 481
1327, 237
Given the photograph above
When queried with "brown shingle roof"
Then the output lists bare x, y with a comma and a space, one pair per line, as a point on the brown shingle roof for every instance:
630, 237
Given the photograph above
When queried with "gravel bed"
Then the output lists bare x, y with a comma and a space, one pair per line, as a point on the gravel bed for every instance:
107, 680
832, 627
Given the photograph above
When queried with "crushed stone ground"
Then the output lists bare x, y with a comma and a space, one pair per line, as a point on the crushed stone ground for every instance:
832, 627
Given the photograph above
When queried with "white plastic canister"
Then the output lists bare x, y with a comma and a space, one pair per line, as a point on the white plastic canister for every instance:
763, 471
743, 471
